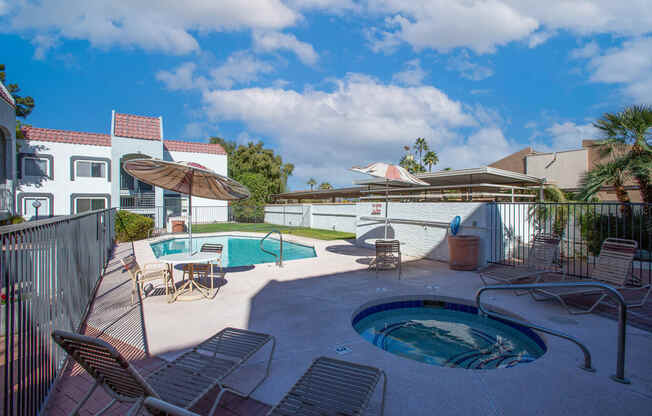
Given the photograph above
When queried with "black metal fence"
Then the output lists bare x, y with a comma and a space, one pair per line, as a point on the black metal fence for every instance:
49, 271
582, 228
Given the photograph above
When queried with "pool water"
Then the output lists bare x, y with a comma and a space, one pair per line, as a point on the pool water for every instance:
447, 334
238, 251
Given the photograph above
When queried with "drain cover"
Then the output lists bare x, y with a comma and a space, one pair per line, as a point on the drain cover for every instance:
342, 349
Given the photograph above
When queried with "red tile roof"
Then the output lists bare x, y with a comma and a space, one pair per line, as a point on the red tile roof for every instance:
193, 147
138, 127
65, 136
4, 94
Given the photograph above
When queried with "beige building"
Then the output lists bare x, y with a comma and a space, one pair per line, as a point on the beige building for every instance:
564, 169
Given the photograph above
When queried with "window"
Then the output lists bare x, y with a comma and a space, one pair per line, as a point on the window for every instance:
35, 166
89, 204
89, 169
145, 187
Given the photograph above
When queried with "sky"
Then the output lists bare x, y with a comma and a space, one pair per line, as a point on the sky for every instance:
331, 84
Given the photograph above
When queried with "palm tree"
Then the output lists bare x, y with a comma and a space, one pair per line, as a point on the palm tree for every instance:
627, 141
421, 146
312, 182
325, 186
430, 159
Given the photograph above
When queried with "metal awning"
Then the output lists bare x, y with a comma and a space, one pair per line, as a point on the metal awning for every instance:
483, 175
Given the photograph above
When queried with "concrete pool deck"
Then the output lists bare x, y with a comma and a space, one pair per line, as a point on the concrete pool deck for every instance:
308, 306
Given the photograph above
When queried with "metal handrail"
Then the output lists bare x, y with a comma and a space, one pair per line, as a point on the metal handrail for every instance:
622, 319
279, 259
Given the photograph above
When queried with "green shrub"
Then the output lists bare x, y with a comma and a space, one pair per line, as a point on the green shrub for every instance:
598, 227
16, 219
130, 226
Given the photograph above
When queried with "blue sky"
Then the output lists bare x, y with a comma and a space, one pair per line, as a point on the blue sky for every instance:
334, 83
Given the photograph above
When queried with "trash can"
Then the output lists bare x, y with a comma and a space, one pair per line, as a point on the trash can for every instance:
178, 226
463, 252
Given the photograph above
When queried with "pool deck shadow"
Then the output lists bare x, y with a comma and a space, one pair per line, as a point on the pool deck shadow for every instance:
308, 306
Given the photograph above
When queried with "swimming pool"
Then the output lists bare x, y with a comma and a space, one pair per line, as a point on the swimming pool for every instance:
238, 251
447, 334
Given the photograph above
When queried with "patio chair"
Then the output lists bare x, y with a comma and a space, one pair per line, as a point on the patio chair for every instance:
539, 261
148, 273
329, 387
613, 267
388, 255
182, 382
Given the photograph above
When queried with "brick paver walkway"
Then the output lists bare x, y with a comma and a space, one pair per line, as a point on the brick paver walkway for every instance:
114, 319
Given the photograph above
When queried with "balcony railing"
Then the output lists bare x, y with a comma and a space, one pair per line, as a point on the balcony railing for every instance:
138, 201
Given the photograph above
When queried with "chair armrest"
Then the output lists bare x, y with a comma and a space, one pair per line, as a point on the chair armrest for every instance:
154, 266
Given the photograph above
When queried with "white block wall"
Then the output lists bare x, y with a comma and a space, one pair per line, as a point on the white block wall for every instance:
422, 228
336, 217
297, 215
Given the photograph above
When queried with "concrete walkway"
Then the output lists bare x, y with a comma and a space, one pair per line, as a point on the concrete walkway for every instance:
308, 306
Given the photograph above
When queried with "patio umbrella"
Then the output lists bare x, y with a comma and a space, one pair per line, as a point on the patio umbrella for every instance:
188, 178
391, 173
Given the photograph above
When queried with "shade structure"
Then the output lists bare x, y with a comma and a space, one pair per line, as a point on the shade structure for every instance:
391, 173
188, 178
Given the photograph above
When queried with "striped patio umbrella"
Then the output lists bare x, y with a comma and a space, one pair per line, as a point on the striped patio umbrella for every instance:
188, 178
391, 173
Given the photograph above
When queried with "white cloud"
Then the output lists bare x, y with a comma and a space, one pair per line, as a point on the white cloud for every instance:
274, 41
481, 148
43, 44
241, 68
482, 26
165, 26
629, 65
467, 69
587, 51
359, 121
412, 75
562, 136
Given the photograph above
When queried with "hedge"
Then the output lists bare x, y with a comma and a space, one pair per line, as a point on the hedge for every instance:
130, 226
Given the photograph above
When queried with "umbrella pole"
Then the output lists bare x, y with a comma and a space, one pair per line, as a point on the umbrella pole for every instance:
190, 214
386, 205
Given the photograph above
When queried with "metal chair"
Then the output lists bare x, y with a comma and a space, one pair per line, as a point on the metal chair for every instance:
388, 255
147, 273
181, 382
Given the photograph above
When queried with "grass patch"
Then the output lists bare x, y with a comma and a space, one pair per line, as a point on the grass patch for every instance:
265, 228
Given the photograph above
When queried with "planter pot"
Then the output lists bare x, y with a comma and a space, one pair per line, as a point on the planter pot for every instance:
178, 226
463, 252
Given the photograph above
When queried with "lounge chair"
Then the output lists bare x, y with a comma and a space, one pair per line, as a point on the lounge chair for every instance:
613, 267
329, 387
148, 273
388, 255
539, 261
181, 382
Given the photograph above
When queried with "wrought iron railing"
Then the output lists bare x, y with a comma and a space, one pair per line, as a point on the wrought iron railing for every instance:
582, 228
49, 272
138, 201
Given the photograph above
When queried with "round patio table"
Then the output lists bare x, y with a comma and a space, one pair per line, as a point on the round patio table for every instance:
188, 289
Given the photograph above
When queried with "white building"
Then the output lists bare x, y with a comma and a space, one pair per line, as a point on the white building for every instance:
70, 172
7, 152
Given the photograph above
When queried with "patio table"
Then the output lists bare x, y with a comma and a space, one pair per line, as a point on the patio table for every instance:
188, 289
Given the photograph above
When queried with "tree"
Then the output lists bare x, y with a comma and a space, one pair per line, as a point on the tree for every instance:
24, 105
421, 146
311, 182
325, 186
430, 159
626, 141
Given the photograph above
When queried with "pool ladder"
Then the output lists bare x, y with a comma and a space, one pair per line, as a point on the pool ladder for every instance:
622, 319
279, 257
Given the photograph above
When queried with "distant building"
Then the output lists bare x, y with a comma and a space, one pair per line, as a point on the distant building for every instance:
7, 152
70, 172
564, 169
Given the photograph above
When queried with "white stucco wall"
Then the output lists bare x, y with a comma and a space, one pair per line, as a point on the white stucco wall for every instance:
61, 187
337, 217
422, 228
563, 169
296, 215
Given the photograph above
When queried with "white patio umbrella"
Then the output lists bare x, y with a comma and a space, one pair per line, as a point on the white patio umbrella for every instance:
188, 178
391, 173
